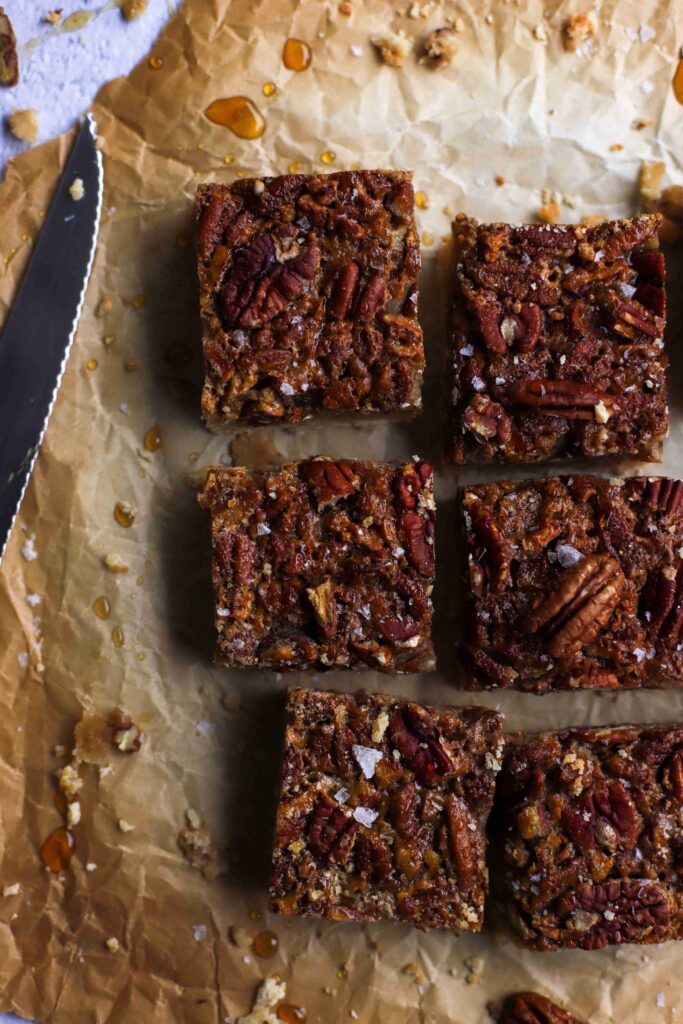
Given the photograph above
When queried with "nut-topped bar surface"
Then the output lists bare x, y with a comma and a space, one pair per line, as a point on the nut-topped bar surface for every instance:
382, 812
574, 582
308, 296
558, 341
530, 1008
587, 836
323, 564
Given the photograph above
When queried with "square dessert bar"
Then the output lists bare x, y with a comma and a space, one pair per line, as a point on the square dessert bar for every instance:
323, 564
587, 836
308, 297
383, 809
574, 582
558, 341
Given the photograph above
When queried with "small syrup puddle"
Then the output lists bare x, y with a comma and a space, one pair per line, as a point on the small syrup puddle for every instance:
239, 114
296, 55
101, 607
678, 81
266, 944
57, 850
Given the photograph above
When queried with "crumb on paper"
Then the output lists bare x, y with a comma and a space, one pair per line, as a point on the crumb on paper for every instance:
113, 945
650, 180
114, 563
549, 213
32, 600
11, 890
199, 932
104, 306
270, 992
440, 47
578, 32
77, 189
23, 124
125, 826
91, 866
241, 937
54, 17
670, 206
540, 32
104, 770
28, 548
9, 61
640, 123
59, 750
393, 47
602, 413
193, 819
421, 10
199, 849
133, 9
70, 781
499, 179
346, 8
23, 659
73, 813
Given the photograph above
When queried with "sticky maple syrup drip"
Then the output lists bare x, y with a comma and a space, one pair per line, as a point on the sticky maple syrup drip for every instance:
57, 850
101, 607
291, 1014
117, 636
678, 81
266, 944
239, 114
153, 439
296, 55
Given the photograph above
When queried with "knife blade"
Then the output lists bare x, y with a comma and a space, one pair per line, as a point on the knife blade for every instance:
40, 327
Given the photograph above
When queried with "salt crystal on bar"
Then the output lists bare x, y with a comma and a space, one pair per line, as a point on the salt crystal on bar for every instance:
367, 758
365, 815
567, 555
342, 795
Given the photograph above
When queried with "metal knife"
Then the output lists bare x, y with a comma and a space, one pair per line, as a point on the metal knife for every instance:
40, 327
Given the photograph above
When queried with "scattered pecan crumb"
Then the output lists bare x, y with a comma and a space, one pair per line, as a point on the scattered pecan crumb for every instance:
499, 179
640, 123
199, 850
11, 890
440, 47
125, 826
270, 992
242, 937
113, 945
422, 10
23, 125
193, 819
54, 17
549, 213
346, 8
393, 47
9, 62
91, 866
132, 9
540, 32
616, 147
104, 306
650, 180
77, 189
577, 31
114, 563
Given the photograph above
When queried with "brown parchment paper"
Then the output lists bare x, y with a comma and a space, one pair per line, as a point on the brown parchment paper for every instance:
509, 105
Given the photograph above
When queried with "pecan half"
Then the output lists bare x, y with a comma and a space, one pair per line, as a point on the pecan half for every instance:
398, 631
343, 291
373, 856
329, 480
531, 1008
9, 63
614, 805
218, 213
265, 277
650, 266
630, 318
579, 608
487, 419
413, 733
236, 559
638, 909
372, 299
331, 831
661, 602
521, 329
672, 775
461, 841
658, 492
324, 607
496, 556
567, 399
411, 482
529, 323
419, 539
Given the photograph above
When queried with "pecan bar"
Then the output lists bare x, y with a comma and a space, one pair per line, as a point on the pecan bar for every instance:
383, 807
308, 296
588, 836
558, 346
530, 1008
323, 564
575, 582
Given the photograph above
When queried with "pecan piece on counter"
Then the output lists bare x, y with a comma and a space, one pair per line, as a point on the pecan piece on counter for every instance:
573, 582
308, 290
397, 832
9, 62
530, 1008
607, 868
323, 564
558, 328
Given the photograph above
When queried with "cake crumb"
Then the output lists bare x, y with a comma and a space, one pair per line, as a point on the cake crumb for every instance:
393, 47
54, 17
133, 9
77, 189
11, 890
91, 866
24, 125
113, 945
440, 47
104, 306
270, 992
125, 826
9, 61
650, 180
549, 213
577, 31
114, 564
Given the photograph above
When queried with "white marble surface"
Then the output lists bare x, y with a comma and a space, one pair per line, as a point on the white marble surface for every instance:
61, 73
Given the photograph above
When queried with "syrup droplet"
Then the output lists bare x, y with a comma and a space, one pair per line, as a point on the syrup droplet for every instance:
293, 168
124, 514
117, 636
238, 114
427, 239
269, 89
91, 364
296, 55
328, 157
153, 439
57, 850
266, 944
422, 200
228, 158
678, 81
156, 62
291, 1014
101, 607
109, 339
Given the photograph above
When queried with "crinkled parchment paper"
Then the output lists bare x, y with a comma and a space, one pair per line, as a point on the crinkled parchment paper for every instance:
509, 105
